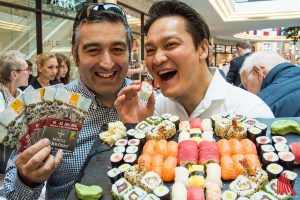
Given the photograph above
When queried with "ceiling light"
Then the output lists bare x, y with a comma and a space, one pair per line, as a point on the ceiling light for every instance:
13, 26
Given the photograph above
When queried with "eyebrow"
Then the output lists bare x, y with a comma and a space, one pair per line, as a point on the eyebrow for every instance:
95, 44
165, 39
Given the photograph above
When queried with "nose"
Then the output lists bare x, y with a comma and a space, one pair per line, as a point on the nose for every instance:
159, 57
106, 60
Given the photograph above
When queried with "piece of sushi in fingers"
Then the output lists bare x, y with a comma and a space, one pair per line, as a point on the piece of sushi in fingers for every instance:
145, 90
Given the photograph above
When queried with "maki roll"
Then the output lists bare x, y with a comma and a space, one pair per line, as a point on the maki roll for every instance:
250, 122
286, 159
154, 120
279, 139
243, 186
130, 158
120, 187
269, 158
253, 133
130, 133
291, 176
150, 181
262, 195
116, 159
215, 118
121, 143
271, 188
142, 137
274, 170
135, 193
280, 147
224, 114
132, 149
144, 126
124, 167
134, 142
162, 192
263, 127
114, 174
262, 140
166, 116
242, 198
151, 197
175, 120
239, 118
229, 195
145, 90
119, 149
266, 148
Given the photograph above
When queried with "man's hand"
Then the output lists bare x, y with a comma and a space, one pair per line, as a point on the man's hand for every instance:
35, 165
129, 106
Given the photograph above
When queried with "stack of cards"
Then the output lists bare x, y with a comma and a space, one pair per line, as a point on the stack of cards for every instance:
50, 112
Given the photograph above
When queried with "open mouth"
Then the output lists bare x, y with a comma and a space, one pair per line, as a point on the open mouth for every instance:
167, 74
106, 75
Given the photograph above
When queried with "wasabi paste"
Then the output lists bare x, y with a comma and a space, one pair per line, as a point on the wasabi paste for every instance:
85, 192
283, 127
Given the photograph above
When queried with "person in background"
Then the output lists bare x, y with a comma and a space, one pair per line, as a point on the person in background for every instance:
14, 72
211, 58
47, 68
298, 60
177, 57
243, 49
63, 74
30, 68
101, 46
275, 81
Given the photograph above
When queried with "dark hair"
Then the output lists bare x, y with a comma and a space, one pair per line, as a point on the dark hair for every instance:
244, 44
195, 24
29, 63
62, 58
89, 15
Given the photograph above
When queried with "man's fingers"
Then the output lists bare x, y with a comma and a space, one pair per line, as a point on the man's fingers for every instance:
40, 157
119, 101
132, 89
135, 82
58, 158
26, 155
151, 102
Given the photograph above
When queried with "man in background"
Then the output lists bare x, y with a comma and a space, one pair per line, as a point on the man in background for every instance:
243, 49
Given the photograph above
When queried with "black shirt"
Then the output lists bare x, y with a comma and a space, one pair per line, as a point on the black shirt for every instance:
35, 83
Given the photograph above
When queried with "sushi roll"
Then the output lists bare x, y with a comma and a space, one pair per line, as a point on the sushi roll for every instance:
224, 114
229, 195
162, 192
154, 120
239, 118
274, 170
145, 90
269, 158
144, 126
121, 143
175, 120
242, 198
291, 176
262, 195
250, 122
221, 127
150, 181
120, 187
124, 167
142, 137
262, 140
266, 148
132, 149
263, 127
130, 133
166, 116
271, 188
243, 186
215, 118
281, 147
114, 174
134, 142
151, 197
279, 139
116, 159
119, 150
253, 133
286, 159
135, 193
130, 158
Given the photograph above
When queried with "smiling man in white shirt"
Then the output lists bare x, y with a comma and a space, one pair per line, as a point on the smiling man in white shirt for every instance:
177, 57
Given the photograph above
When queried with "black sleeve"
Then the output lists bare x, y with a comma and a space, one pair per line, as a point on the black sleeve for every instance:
231, 75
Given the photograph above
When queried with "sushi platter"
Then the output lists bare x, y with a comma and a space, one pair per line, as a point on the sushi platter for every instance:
110, 160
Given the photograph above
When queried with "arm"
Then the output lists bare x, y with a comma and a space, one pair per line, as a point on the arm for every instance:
231, 75
130, 108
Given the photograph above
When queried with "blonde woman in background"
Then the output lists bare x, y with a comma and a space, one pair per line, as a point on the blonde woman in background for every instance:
47, 68
14, 72
63, 74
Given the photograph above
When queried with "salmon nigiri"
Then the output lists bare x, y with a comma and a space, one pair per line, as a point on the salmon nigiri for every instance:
252, 160
157, 161
227, 168
161, 147
248, 147
145, 160
172, 149
224, 148
168, 169
235, 146
149, 147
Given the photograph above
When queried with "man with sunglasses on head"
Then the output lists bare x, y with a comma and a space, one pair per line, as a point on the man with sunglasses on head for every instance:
177, 57
101, 46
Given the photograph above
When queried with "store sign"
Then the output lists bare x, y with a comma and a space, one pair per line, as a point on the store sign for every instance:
51, 43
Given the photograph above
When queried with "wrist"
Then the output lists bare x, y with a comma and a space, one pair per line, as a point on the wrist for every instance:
29, 183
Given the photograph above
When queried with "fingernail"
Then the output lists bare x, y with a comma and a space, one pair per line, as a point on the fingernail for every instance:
46, 141
61, 152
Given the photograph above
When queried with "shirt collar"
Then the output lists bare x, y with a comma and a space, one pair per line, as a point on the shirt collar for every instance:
217, 87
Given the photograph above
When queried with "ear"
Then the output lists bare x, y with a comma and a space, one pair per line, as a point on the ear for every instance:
203, 49
74, 57
39, 67
13, 75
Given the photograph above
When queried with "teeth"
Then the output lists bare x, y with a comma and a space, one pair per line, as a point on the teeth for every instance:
105, 75
165, 71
